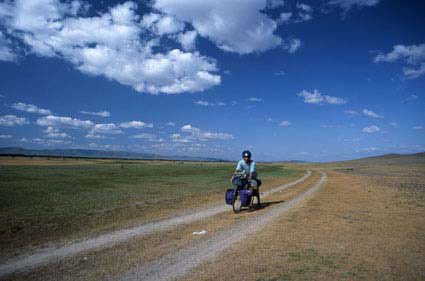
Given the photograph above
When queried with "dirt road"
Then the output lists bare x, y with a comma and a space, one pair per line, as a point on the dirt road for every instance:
49, 254
178, 263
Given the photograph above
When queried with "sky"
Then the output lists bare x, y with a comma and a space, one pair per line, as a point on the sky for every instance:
306, 80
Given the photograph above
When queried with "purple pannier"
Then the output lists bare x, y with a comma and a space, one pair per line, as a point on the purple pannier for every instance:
245, 197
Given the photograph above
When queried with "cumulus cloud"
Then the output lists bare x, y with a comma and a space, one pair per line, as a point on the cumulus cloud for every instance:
30, 108
100, 113
305, 13
6, 136
146, 136
348, 4
12, 120
292, 45
371, 114
419, 128
171, 124
315, 97
351, 112
207, 103
109, 128
92, 135
285, 17
371, 129
413, 57
285, 123
187, 39
62, 121
136, 125
55, 133
254, 99
198, 134
234, 26
109, 44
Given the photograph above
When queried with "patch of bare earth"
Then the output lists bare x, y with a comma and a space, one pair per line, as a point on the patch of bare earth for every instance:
117, 260
357, 228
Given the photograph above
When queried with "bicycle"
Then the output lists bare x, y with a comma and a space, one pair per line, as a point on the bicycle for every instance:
242, 196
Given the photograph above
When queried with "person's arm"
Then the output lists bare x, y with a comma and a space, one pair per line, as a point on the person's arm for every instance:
252, 170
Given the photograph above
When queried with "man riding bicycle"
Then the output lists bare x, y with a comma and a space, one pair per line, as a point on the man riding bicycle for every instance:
247, 166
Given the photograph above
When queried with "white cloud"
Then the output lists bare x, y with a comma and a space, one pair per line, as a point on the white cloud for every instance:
280, 73
305, 13
316, 97
187, 39
198, 134
207, 103
54, 133
109, 44
100, 113
394, 124
30, 108
348, 4
92, 135
419, 128
6, 136
12, 120
285, 17
113, 147
325, 126
370, 113
413, 56
254, 99
371, 129
6, 52
292, 45
136, 125
234, 26
351, 112
171, 124
285, 123
146, 136
411, 98
109, 128
61, 121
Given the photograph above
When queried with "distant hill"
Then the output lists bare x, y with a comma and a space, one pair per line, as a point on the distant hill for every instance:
394, 158
88, 153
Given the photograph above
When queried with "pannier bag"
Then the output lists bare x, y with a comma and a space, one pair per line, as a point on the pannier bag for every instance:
229, 196
245, 197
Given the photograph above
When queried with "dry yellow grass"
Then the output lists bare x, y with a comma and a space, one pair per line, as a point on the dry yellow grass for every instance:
356, 228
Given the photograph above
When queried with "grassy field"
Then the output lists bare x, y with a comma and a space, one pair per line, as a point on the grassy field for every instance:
366, 224
48, 199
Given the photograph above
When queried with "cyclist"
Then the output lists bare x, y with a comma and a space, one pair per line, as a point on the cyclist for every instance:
247, 166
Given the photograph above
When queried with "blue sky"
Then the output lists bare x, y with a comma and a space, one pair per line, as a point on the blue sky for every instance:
310, 80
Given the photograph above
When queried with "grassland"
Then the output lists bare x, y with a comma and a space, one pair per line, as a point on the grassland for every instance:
367, 224
49, 199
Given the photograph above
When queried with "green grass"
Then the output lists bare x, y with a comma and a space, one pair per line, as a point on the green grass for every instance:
49, 198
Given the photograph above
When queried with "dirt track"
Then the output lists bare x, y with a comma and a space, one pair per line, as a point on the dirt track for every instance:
178, 263
46, 255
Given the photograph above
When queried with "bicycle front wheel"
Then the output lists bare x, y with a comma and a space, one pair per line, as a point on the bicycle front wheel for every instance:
237, 204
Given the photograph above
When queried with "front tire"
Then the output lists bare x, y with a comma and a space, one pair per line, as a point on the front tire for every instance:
237, 204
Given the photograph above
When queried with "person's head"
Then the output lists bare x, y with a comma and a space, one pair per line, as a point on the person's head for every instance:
246, 156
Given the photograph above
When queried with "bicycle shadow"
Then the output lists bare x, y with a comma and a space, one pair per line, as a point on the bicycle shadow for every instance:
264, 205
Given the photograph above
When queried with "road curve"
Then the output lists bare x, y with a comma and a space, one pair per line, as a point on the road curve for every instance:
179, 263
46, 255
